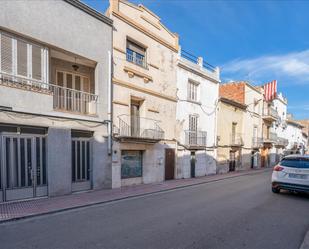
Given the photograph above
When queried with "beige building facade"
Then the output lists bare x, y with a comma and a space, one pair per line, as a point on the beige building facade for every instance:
144, 96
240, 127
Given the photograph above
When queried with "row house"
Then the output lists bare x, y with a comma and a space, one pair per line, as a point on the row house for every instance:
54, 83
145, 53
239, 131
279, 128
197, 93
294, 134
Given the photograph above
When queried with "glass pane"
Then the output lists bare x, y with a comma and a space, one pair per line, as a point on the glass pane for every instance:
131, 164
69, 81
59, 78
77, 83
73, 161
295, 163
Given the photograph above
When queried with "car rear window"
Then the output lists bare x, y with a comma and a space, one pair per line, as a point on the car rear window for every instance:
302, 163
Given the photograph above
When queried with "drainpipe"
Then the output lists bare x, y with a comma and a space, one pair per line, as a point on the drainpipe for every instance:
109, 108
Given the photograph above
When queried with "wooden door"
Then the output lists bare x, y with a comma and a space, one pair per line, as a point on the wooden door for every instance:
169, 164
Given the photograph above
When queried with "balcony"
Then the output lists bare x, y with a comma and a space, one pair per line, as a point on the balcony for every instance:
282, 142
271, 138
236, 140
64, 99
195, 139
270, 114
257, 142
139, 129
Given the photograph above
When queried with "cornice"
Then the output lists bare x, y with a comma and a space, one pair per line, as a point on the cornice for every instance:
183, 65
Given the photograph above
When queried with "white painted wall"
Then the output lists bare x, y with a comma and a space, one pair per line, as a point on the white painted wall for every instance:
205, 108
280, 104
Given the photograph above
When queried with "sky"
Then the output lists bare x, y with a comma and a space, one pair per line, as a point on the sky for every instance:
257, 41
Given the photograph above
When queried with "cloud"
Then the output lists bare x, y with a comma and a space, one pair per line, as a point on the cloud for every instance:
291, 67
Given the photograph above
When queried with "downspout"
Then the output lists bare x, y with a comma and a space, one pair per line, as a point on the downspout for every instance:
109, 108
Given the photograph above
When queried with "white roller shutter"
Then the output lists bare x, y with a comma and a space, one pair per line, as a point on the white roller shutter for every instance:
6, 54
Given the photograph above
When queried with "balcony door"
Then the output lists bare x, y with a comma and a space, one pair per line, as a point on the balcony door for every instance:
72, 92
193, 123
135, 118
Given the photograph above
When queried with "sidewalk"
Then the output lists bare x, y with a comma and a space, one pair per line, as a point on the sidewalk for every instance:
29, 208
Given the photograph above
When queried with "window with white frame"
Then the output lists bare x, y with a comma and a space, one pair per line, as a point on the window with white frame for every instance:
192, 91
22, 59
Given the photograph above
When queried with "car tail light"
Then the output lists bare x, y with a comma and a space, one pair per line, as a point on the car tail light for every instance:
278, 168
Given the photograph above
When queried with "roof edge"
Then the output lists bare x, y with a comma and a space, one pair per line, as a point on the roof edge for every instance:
90, 11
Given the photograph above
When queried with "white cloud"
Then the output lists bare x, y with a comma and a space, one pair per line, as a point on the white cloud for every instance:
291, 67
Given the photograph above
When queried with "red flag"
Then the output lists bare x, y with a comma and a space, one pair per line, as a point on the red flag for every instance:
270, 90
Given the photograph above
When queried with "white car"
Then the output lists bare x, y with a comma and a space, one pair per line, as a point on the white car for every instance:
292, 173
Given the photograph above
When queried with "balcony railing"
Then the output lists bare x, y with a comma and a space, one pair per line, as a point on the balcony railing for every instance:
236, 139
139, 128
282, 141
136, 58
64, 99
195, 138
195, 60
270, 113
257, 142
271, 138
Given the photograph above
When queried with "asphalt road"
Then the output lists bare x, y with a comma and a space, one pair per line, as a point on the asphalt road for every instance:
233, 213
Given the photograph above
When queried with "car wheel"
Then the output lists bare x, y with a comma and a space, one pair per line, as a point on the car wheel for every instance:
275, 190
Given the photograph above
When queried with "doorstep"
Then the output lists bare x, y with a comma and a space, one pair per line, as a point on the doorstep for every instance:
10, 211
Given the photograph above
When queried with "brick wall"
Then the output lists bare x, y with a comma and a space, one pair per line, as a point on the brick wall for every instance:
233, 91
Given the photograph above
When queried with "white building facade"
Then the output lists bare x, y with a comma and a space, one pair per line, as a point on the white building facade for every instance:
197, 93
279, 128
54, 87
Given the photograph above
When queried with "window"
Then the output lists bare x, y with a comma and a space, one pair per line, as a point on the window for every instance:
22, 59
192, 91
302, 163
193, 121
136, 54
131, 163
73, 81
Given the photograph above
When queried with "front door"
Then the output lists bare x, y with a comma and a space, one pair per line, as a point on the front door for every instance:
169, 164
81, 169
232, 165
192, 162
23, 167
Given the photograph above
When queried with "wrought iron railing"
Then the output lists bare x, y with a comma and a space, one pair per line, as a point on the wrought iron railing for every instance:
270, 138
64, 99
257, 142
195, 138
282, 141
236, 139
136, 58
190, 57
139, 127
270, 111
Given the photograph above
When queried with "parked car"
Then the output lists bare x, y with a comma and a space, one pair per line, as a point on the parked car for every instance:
292, 173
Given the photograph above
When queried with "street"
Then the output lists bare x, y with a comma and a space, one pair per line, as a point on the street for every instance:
234, 213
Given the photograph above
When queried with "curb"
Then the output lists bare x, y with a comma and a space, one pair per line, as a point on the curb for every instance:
133, 196
305, 244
